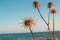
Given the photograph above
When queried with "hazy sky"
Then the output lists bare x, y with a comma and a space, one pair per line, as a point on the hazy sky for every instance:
12, 12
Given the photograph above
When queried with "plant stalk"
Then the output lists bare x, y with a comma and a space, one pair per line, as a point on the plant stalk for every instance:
32, 34
44, 19
53, 27
49, 20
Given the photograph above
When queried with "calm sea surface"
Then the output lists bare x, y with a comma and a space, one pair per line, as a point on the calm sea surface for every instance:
28, 36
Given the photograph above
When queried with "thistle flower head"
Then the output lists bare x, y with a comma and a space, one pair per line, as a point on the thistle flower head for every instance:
53, 11
28, 22
36, 4
50, 5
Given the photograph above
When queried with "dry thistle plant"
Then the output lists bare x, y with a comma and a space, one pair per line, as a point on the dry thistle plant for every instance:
36, 5
50, 5
29, 23
53, 11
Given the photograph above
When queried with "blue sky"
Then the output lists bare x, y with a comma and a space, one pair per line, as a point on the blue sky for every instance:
12, 12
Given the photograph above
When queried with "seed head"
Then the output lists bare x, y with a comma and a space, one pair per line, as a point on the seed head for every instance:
28, 22
53, 11
36, 4
50, 5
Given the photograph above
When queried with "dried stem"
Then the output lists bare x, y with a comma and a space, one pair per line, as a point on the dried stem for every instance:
53, 23
49, 20
52, 33
53, 26
44, 19
42, 16
32, 34
49, 24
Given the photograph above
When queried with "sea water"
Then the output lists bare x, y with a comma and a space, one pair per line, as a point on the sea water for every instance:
28, 36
